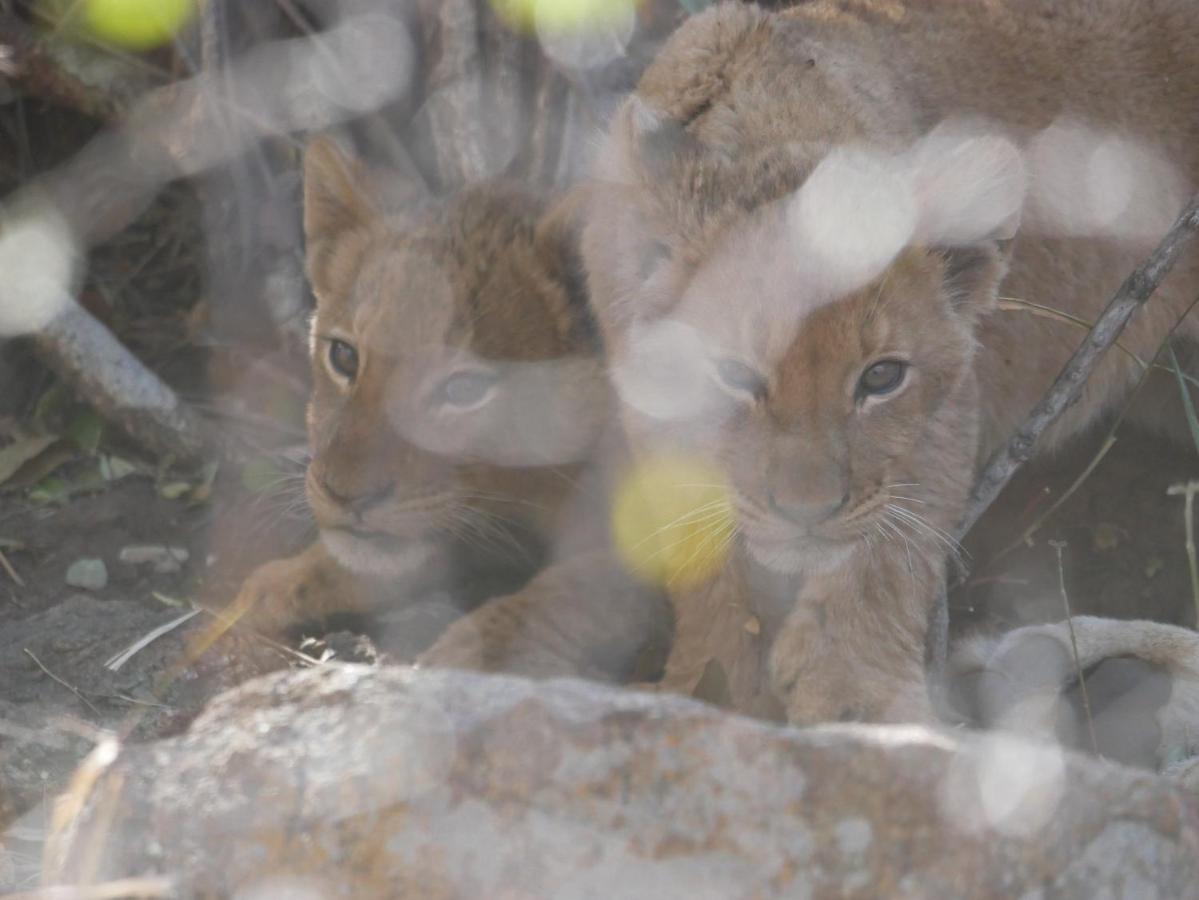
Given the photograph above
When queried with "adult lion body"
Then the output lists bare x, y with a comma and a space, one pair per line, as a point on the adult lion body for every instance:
820, 207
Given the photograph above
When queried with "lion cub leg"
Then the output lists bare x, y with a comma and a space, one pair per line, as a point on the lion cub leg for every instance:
309, 587
852, 647
583, 616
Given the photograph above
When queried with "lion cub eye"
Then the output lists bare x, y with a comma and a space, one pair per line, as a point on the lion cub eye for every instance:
465, 390
738, 377
343, 358
882, 378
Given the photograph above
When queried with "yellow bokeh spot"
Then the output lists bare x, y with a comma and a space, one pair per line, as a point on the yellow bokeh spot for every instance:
672, 521
561, 15
136, 24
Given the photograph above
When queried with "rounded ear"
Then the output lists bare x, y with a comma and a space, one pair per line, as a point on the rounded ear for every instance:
969, 185
973, 274
336, 204
557, 240
336, 199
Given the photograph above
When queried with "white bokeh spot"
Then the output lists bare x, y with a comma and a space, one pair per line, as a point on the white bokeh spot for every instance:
590, 44
853, 215
1009, 785
38, 256
663, 371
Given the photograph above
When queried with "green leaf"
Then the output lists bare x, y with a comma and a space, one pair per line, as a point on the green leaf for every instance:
202, 491
1187, 403
20, 452
51, 490
173, 490
52, 406
85, 428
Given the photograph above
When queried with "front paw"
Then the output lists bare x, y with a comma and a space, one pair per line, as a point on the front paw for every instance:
500, 637
817, 681
284, 593
461, 646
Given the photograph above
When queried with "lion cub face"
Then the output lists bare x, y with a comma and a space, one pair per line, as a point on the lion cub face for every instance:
795, 317
453, 369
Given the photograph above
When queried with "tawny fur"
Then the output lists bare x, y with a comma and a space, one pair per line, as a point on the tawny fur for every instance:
689, 220
489, 279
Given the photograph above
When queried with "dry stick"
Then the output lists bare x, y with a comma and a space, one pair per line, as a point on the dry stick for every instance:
1188, 490
12, 573
1136, 289
1108, 442
70, 687
120, 387
1082, 682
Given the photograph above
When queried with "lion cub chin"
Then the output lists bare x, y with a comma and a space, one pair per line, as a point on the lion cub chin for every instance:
457, 395
801, 228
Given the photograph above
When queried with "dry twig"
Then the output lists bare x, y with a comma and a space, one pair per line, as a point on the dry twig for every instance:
1058, 546
1136, 289
12, 573
70, 687
1188, 491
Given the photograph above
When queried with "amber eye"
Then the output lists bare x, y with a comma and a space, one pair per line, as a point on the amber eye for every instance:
882, 378
466, 389
343, 358
737, 376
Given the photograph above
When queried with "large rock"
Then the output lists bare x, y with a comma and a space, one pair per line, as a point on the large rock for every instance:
351, 781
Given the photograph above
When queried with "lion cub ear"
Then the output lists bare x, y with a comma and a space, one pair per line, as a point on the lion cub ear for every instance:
336, 203
969, 185
557, 240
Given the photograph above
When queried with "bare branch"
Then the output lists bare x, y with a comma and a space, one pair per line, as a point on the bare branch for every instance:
1135, 290
123, 390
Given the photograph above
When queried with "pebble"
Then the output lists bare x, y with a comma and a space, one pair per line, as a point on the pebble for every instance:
165, 560
89, 574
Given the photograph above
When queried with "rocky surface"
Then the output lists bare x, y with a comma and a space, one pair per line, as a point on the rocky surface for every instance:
355, 781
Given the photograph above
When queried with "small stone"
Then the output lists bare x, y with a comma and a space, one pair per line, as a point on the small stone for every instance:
89, 574
165, 560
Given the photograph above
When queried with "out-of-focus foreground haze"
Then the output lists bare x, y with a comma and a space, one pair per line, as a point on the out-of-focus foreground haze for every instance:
306, 404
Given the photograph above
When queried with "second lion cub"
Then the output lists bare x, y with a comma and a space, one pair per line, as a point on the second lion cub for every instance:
802, 226
458, 395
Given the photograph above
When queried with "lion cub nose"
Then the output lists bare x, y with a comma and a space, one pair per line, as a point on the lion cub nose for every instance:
808, 510
358, 501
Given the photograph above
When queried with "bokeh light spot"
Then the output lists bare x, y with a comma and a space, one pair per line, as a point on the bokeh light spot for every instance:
672, 521
562, 15
137, 24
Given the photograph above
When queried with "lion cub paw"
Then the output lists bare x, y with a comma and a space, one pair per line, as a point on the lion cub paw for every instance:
284, 593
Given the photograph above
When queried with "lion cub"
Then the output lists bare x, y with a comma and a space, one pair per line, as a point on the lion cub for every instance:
802, 223
458, 393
